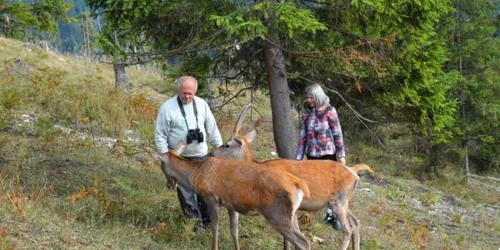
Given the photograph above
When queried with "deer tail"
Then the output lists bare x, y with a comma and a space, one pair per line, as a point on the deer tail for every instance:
358, 167
302, 186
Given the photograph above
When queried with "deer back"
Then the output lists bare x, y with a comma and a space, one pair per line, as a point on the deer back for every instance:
245, 186
323, 176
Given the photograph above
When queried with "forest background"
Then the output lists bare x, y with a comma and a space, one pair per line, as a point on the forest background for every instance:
415, 83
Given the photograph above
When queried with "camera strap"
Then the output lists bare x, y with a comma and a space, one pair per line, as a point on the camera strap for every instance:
184, 113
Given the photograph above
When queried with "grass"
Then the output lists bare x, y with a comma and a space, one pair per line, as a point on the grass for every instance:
74, 174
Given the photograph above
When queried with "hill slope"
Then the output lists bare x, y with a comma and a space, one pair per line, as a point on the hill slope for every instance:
74, 175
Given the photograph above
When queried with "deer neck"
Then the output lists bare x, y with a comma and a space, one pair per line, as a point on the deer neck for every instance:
183, 169
247, 154
248, 157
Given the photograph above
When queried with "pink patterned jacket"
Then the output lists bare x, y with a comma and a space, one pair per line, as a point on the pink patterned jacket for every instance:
320, 133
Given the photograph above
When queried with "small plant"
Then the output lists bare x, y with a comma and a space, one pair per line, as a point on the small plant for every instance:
5, 117
393, 193
142, 109
402, 185
3, 240
175, 229
429, 199
497, 224
458, 218
105, 207
419, 233
385, 220
45, 131
145, 131
10, 97
17, 201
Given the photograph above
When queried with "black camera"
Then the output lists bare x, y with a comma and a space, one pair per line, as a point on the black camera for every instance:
194, 134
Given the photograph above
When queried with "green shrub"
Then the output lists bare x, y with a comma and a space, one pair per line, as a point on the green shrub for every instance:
429, 199
10, 97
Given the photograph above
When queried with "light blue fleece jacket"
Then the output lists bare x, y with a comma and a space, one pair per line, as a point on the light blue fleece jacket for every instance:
171, 127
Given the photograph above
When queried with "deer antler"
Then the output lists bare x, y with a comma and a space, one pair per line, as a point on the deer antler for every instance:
240, 120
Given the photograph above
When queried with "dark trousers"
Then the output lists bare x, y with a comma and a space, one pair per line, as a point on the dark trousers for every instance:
192, 204
323, 157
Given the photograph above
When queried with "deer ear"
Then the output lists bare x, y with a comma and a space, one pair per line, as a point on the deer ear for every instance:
251, 135
157, 156
237, 140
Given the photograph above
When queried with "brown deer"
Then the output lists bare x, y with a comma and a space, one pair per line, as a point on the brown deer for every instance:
242, 187
331, 183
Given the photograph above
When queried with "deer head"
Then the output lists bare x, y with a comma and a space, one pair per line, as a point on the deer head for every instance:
171, 181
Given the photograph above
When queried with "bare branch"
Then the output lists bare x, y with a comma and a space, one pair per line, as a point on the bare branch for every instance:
232, 97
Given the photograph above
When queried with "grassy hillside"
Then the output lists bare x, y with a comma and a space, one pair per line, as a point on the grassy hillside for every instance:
74, 174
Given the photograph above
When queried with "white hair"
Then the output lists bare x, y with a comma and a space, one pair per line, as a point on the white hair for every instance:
318, 95
182, 79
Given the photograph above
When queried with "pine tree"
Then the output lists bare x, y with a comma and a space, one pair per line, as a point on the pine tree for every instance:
26, 21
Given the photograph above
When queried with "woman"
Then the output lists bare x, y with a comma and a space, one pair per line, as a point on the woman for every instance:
320, 134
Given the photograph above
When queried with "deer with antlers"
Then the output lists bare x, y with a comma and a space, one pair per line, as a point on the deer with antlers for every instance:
243, 188
331, 184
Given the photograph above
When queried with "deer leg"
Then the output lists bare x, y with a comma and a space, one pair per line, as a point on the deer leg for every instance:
283, 223
233, 223
297, 231
295, 228
293, 236
213, 210
286, 244
355, 230
341, 209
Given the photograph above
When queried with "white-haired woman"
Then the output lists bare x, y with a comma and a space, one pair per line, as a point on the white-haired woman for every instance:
320, 134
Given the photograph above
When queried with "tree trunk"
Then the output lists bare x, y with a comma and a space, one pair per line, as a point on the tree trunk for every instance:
121, 80
208, 88
285, 135
86, 36
462, 92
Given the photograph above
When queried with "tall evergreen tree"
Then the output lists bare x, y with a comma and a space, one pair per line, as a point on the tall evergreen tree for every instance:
25, 20
475, 47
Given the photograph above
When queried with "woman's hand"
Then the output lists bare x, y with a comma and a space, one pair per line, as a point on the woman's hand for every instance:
342, 160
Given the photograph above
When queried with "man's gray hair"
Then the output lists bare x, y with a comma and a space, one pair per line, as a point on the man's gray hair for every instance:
318, 95
182, 79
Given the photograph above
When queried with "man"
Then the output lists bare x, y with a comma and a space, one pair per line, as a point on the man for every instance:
187, 118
